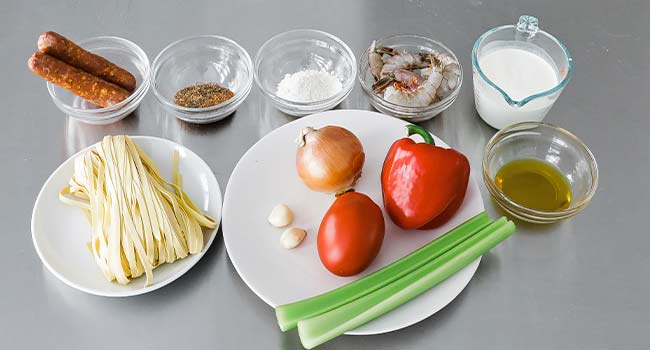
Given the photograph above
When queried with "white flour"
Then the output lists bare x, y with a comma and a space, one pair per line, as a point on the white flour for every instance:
308, 86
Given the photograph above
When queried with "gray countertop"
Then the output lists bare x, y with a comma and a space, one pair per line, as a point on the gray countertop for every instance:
580, 284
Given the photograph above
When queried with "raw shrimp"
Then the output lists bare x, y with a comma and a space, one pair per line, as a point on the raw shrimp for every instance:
386, 52
403, 60
376, 58
375, 61
445, 58
421, 96
380, 85
450, 72
450, 79
402, 75
412, 79
399, 75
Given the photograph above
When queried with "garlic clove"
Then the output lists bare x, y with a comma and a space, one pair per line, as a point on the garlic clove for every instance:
292, 237
280, 216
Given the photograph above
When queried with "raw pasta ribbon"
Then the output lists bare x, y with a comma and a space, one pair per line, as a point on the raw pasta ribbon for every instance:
138, 219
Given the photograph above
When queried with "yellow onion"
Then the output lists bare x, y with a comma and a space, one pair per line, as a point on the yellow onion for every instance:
329, 159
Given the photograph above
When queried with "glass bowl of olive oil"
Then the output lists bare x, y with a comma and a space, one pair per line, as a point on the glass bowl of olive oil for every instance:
539, 173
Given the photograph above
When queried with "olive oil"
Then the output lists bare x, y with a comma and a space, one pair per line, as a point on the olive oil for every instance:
534, 184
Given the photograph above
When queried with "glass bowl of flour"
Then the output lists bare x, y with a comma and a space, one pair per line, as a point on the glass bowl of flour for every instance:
305, 71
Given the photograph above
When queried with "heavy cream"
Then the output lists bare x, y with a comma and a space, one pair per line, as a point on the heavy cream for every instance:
520, 73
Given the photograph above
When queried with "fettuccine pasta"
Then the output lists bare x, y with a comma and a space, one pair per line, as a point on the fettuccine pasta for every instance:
138, 219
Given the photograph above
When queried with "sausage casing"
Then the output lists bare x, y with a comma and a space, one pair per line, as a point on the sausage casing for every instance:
67, 51
77, 81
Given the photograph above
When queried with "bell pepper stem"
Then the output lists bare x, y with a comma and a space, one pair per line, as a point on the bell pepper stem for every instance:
415, 129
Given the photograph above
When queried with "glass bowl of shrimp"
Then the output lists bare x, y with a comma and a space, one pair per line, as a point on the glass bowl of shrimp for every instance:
410, 76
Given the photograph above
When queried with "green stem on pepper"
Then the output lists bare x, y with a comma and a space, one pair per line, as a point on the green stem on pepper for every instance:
415, 129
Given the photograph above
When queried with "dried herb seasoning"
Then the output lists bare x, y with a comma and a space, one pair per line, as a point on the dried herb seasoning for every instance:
202, 95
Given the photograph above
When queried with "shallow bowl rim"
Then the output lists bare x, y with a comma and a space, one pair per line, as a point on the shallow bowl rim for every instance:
503, 200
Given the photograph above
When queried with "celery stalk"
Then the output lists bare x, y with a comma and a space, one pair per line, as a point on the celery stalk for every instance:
288, 315
321, 328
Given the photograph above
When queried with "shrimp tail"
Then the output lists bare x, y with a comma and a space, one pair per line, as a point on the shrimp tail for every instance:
375, 61
380, 85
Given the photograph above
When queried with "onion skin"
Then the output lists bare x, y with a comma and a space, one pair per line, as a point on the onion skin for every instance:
329, 159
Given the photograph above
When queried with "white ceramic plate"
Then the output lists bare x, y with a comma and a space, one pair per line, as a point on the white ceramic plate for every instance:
266, 176
60, 232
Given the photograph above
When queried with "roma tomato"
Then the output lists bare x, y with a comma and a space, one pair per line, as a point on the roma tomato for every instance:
351, 234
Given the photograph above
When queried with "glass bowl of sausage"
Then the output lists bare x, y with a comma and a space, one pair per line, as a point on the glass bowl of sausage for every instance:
410, 76
122, 53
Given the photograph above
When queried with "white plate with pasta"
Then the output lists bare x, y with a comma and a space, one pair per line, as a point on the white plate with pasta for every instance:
156, 225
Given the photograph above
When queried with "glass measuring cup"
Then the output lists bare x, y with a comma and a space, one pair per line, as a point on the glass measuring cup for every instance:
495, 106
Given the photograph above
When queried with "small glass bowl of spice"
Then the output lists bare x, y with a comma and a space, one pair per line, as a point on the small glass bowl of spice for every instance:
539, 173
305, 71
202, 79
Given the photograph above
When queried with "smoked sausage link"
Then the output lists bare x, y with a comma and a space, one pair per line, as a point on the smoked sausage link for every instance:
77, 81
65, 50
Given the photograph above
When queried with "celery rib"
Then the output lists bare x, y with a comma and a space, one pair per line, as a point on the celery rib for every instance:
319, 329
288, 315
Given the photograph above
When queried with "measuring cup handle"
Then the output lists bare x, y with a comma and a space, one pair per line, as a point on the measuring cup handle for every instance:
527, 27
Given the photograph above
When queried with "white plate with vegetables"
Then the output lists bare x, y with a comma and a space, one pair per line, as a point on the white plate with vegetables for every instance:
266, 175
139, 232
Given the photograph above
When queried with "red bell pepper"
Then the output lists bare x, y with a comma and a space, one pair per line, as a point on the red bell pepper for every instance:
423, 185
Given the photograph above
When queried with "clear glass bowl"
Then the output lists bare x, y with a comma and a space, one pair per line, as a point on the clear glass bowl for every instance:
409, 43
548, 143
302, 49
202, 59
121, 52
